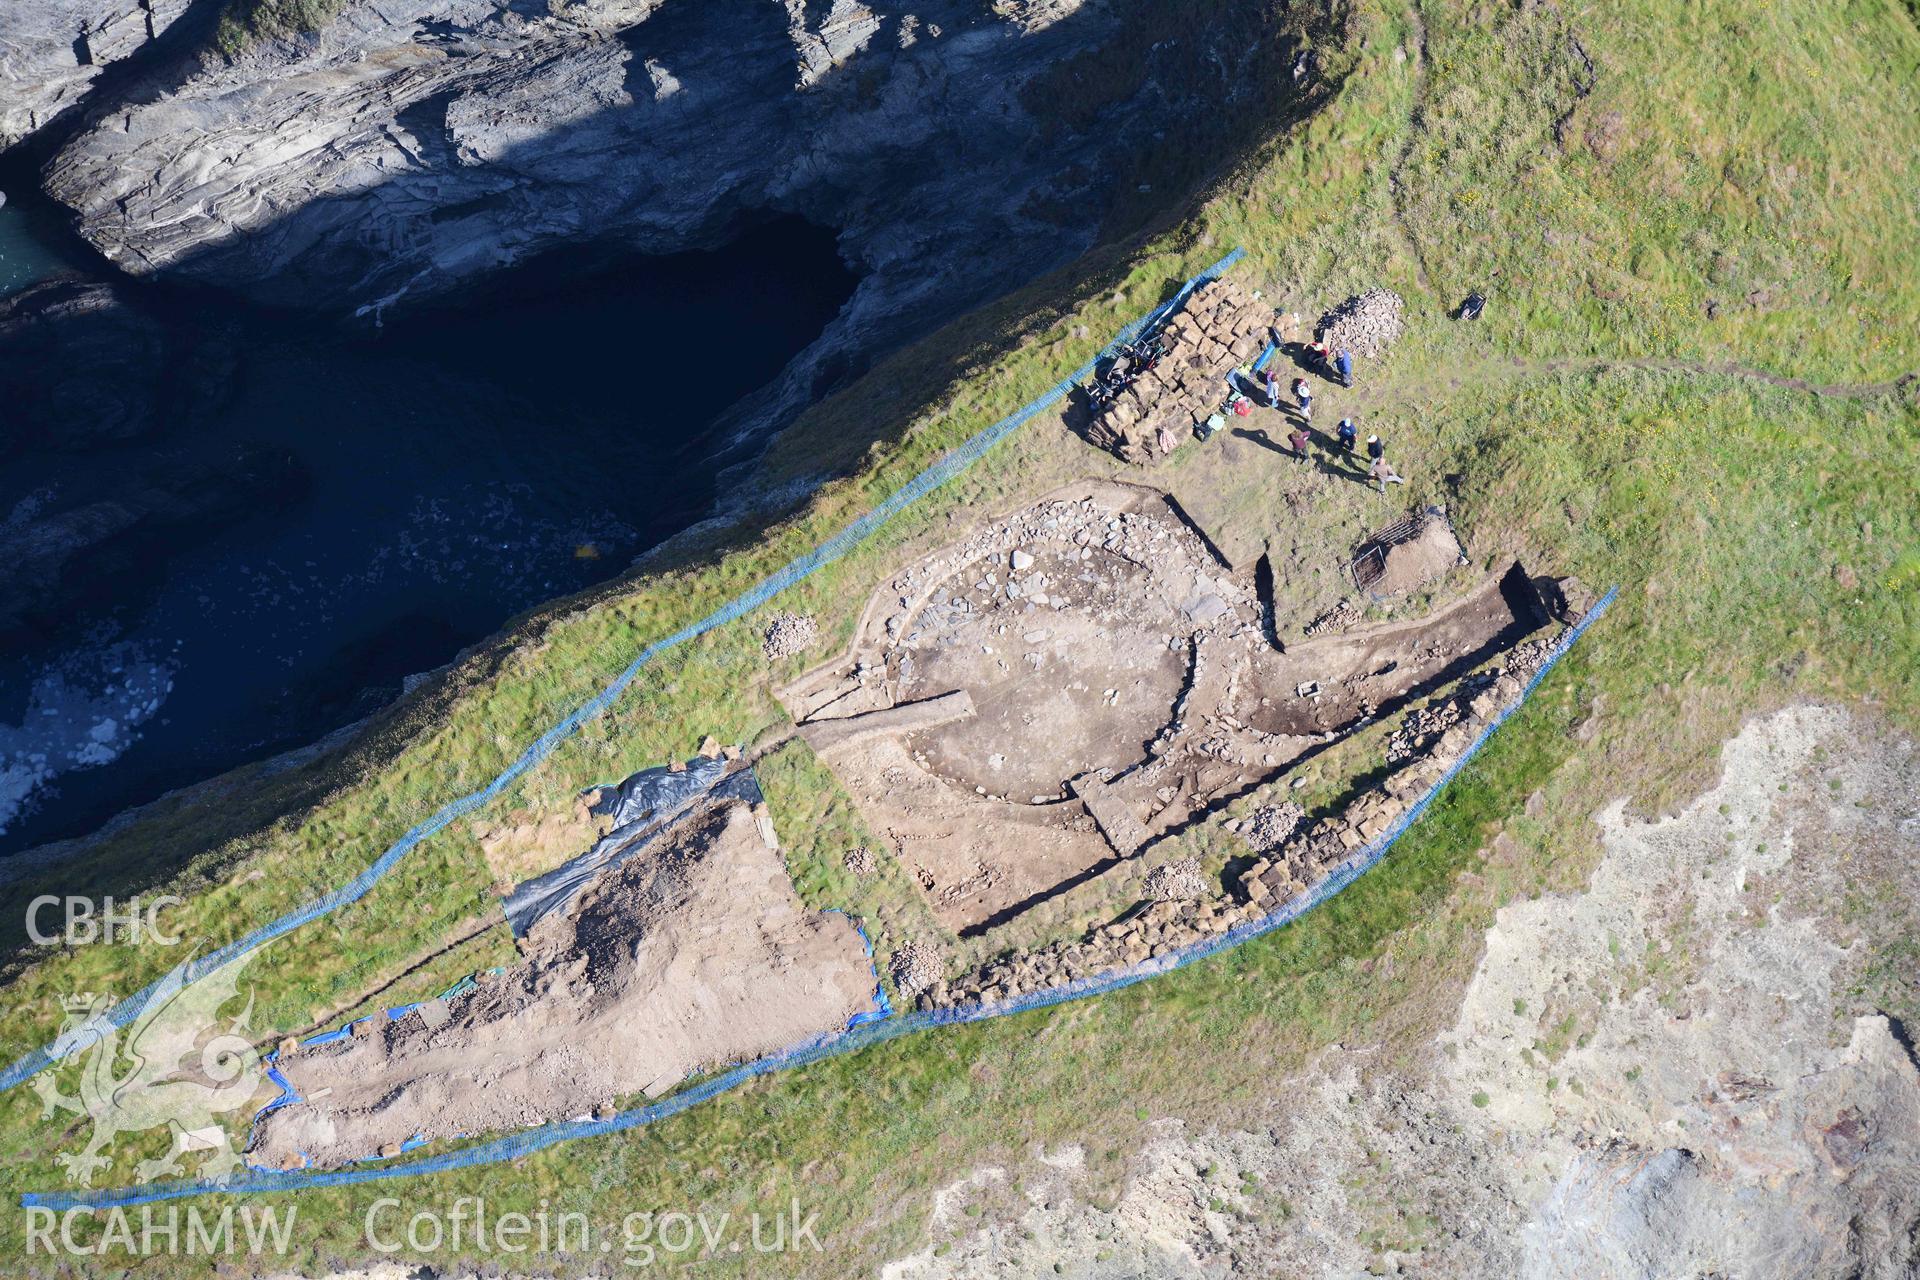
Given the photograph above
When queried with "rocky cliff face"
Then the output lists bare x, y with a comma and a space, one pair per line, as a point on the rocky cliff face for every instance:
414, 145
81, 371
52, 51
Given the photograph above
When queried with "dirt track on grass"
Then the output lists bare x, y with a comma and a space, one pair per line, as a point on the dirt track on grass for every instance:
1906, 382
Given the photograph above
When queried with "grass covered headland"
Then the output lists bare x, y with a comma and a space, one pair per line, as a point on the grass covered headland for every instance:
1695, 228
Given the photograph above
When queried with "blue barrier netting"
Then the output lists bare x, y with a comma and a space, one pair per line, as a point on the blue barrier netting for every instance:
855, 1038
946, 468
291, 1096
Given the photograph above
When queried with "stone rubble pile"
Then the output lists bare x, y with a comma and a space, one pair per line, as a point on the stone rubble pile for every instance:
1164, 548
1272, 826
1162, 927
914, 967
788, 634
1422, 728
1220, 327
1427, 743
1366, 324
1526, 657
1343, 615
1176, 881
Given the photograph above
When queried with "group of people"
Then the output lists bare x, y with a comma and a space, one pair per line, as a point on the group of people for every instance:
1336, 364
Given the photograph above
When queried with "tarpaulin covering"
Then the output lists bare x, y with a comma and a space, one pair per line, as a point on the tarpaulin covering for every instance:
641, 807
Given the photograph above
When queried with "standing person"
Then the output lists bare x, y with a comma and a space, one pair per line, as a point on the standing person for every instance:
1348, 435
1383, 474
1344, 363
1304, 394
1273, 387
1375, 450
1299, 439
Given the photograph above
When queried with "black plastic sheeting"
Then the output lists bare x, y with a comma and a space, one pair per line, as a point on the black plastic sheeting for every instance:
642, 807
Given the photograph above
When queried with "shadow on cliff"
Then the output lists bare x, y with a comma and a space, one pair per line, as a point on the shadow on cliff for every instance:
1176, 154
159, 66
1274, 84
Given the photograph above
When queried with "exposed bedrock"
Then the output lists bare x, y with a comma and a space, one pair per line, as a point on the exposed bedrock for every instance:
95, 547
52, 52
413, 145
57, 342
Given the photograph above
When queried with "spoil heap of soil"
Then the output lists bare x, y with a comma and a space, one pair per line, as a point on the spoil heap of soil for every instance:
1366, 324
1410, 565
690, 955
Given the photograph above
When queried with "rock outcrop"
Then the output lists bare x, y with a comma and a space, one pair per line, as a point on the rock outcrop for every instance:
52, 51
92, 385
79, 368
413, 145
1681, 1069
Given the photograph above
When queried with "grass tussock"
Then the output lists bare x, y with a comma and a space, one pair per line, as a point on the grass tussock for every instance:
245, 23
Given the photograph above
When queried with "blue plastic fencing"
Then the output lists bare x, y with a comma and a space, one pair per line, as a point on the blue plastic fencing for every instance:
289, 1095
950, 465
856, 1038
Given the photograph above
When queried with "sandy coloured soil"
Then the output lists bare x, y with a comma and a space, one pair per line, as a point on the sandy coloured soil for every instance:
1425, 558
692, 954
1082, 681
1357, 673
1025, 707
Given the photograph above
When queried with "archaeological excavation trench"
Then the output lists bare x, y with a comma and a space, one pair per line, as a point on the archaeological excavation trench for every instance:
693, 953
1067, 685
1017, 714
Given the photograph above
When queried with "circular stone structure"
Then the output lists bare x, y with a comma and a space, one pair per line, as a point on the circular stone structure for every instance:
1073, 641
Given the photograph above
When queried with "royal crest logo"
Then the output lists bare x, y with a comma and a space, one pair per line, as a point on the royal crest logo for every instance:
174, 1067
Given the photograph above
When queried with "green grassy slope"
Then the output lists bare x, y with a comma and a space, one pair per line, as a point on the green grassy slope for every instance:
1764, 536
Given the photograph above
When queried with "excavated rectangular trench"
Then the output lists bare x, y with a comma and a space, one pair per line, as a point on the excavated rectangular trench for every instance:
696, 954
1474, 630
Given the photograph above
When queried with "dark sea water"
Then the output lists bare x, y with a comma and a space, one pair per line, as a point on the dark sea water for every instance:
31, 245
462, 465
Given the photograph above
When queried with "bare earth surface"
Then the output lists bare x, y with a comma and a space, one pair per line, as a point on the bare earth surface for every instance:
1081, 681
692, 954
1036, 702
1671, 1073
